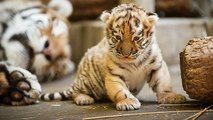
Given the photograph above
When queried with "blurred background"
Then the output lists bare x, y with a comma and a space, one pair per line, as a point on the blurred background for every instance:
180, 21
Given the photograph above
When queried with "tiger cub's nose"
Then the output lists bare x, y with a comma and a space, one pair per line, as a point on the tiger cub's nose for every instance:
126, 52
47, 48
46, 45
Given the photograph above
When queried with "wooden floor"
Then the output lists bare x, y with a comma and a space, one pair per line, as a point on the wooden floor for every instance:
67, 110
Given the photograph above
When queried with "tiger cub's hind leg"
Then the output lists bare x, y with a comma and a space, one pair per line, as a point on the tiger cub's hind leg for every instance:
83, 99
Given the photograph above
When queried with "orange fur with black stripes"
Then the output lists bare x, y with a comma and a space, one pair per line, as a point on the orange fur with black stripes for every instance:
119, 66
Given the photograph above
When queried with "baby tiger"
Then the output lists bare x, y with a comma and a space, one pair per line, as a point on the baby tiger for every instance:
34, 47
118, 66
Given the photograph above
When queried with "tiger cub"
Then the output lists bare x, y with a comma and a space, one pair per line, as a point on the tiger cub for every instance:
34, 47
118, 66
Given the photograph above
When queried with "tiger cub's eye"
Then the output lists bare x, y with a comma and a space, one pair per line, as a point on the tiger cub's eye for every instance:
136, 38
118, 37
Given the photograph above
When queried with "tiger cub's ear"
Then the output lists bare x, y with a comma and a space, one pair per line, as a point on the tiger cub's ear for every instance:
105, 16
64, 7
152, 18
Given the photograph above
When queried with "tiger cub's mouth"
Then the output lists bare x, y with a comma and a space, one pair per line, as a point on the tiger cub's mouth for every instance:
127, 58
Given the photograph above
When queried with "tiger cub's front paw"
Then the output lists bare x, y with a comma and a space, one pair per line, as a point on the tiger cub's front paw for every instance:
128, 104
171, 98
20, 86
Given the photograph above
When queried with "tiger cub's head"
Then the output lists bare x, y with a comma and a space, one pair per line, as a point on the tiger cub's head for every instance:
129, 30
54, 60
36, 36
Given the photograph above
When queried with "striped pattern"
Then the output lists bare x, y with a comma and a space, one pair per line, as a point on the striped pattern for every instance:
57, 96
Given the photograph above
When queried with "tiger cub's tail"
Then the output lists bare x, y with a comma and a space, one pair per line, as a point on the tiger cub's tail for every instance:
60, 96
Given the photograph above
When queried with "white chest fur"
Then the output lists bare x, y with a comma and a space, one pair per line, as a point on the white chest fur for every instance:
136, 79
134, 76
